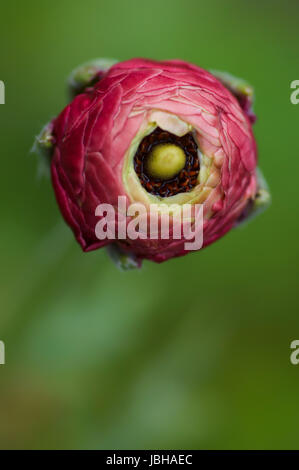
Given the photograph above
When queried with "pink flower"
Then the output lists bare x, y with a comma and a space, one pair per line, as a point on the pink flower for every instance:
97, 136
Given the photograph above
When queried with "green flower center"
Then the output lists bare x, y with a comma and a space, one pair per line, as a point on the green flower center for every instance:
165, 161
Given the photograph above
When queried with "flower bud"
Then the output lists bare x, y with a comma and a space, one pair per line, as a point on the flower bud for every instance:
166, 134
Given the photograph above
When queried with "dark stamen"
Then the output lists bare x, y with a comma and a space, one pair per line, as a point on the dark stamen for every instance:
184, 181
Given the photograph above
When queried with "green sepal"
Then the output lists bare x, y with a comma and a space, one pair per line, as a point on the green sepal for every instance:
260, 203
241, 89
123, 260
238, 86
87, 75
262, 198
43, 147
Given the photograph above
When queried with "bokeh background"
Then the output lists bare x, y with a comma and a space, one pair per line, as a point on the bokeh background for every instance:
193, 353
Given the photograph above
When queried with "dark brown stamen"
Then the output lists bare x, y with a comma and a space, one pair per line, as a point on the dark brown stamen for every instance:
184, 181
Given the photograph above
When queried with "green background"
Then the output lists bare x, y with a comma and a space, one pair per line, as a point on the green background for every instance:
193, 353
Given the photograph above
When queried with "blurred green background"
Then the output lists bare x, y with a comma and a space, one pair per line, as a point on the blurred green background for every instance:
193, 353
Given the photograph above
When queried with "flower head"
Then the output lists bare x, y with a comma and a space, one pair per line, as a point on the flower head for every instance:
159, 133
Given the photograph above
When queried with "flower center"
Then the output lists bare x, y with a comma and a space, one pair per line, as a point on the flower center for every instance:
165, 161
167, 164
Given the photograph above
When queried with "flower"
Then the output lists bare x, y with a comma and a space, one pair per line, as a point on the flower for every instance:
156, 133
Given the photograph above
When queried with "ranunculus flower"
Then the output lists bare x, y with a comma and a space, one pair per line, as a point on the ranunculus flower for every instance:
156, 133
